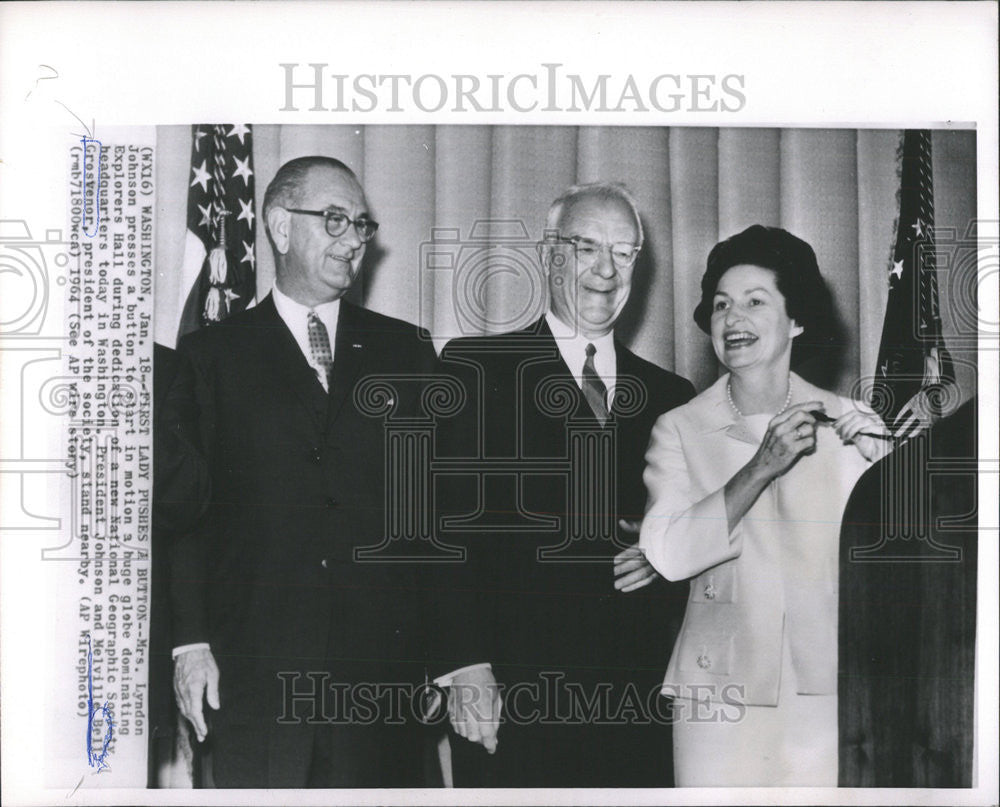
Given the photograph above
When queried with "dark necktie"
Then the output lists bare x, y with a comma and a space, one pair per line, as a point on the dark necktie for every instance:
593, 388
319, 345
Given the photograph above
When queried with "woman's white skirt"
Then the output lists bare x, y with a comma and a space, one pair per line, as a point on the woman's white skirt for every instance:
793, 744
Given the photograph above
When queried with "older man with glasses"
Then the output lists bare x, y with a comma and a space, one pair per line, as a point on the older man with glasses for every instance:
563, 677
276, 625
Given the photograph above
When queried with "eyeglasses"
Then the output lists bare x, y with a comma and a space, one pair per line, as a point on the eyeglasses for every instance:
588, 251
337, 222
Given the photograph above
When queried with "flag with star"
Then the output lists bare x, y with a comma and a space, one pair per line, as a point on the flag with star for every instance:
219, 277
914, 366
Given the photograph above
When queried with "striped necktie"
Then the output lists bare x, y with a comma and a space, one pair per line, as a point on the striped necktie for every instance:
593, 388
319, 345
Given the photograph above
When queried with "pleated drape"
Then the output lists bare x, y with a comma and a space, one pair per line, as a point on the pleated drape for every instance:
461, 208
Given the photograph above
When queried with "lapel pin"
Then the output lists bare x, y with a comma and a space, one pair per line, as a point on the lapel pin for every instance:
355, 345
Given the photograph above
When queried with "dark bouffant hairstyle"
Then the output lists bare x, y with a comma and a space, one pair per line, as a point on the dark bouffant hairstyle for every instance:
797, 276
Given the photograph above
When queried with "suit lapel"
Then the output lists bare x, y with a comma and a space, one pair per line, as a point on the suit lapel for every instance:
348, 356
626, 368
718, 416
284, 356
557, 367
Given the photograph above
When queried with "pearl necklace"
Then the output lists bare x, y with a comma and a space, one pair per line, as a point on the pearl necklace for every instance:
732, 403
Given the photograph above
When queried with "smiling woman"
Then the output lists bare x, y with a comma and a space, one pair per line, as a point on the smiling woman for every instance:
792, 271
747, 485
750, 325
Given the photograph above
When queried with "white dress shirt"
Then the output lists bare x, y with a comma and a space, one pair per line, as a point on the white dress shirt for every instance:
573, 349
296, 317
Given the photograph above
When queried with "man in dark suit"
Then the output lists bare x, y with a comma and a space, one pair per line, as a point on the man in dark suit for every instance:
557, 422
179, 495
275, 621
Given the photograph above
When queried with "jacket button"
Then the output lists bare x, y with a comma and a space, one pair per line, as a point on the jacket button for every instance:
323, 563
704, 661
315, 455
331, 502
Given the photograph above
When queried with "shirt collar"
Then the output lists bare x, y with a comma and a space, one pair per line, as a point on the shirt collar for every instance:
572, 346
296, 317
717, 413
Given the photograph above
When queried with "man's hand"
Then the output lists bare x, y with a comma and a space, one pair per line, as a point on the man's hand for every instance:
474, 705
632, 570
196, 678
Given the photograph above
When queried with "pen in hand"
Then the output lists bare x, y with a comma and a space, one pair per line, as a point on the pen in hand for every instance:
823, 417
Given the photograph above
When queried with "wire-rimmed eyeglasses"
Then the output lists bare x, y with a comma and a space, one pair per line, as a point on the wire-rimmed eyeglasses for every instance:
337, 222
588, 251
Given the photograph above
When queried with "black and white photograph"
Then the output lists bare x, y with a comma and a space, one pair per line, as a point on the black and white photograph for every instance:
653, 597
539, 432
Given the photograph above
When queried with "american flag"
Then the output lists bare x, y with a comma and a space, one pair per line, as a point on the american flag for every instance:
914, 369
219, 259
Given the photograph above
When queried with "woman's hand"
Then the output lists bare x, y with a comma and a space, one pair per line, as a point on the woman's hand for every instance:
850, 429
790, 434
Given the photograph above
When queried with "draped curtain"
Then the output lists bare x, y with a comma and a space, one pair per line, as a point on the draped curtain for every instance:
474, 187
